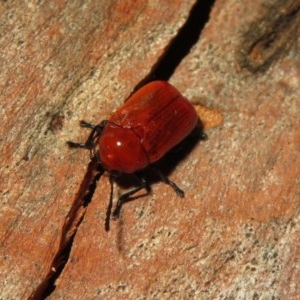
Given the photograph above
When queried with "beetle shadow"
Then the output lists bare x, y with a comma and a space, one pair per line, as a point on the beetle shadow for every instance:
165, 165
155, 173
168, 163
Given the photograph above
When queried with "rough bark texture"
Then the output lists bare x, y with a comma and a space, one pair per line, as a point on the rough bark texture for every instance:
236, 232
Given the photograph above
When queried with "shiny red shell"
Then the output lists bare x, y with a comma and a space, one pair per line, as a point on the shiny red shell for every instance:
150, 123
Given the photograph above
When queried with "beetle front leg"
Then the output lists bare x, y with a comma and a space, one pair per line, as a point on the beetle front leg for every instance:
95, 133
85, 124
124, 197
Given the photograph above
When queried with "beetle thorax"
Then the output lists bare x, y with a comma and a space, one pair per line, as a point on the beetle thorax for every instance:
120, 149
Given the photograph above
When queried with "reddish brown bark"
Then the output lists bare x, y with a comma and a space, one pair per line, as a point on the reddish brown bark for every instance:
235, 234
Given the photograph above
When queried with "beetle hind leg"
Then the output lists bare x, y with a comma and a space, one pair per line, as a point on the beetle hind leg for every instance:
171, 183
110, 204
125, 197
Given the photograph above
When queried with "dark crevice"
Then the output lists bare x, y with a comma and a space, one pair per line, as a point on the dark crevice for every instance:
178, 48
69, 230
181, 45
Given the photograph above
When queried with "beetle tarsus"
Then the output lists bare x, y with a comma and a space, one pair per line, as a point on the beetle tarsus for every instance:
77, 145
171, 183
203, 136
86, 124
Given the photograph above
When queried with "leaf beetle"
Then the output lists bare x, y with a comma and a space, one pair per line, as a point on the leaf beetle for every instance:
139, 133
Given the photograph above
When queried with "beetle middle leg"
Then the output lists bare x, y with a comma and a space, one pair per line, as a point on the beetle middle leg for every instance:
125, 197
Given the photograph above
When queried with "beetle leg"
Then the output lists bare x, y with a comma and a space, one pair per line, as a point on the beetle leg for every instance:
95, 133
203, 136
124, 197
199, 133
169, 182
86, 124
110, 203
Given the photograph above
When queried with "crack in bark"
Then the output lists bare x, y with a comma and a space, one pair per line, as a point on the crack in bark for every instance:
69, 230
181, 44
178, 48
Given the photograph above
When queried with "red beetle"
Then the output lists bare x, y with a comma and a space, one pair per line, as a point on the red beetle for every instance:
150, 123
